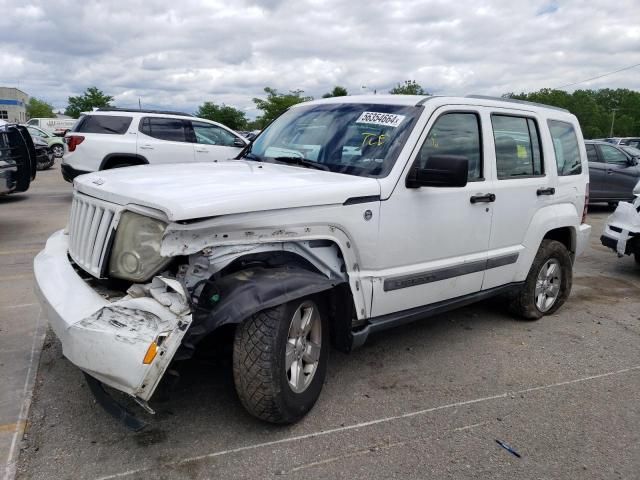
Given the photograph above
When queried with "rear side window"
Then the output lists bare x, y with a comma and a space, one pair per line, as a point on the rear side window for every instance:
455, 134
565, 145
170, 129
592, 154
110, 124
518, 152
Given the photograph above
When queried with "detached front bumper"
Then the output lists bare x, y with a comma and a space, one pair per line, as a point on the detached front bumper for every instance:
622, 230
111, 340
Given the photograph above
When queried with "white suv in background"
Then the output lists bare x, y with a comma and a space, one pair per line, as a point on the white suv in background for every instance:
112, 138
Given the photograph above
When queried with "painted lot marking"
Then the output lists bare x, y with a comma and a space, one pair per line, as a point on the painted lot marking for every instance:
26, 402
370, 423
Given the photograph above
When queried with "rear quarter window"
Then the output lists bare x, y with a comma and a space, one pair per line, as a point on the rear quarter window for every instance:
565, 146
109, 124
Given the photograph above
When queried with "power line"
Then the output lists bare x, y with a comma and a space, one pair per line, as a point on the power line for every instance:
599, 76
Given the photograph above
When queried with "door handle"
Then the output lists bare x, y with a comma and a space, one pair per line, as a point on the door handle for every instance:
610, 172
146, 147
483, 198
202, 151
546, 191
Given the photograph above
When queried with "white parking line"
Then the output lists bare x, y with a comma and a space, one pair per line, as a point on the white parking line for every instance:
22, 305
10, 469
368, 424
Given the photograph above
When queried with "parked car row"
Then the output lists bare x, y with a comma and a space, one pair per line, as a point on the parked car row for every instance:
344, 217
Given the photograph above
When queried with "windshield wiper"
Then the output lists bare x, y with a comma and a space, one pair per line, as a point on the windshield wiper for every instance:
252, 156
303, 162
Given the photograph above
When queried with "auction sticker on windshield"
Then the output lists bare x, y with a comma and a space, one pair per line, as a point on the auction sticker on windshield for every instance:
376, 118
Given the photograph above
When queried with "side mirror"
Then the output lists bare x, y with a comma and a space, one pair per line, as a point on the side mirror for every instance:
633, 161
237, 142
441, 171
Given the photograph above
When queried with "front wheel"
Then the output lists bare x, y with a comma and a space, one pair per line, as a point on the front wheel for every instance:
280, 360
548, 283
57, 150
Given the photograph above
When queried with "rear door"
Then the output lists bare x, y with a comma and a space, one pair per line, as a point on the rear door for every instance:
521, 186
622, 175
165, 140
597, 173
214, 143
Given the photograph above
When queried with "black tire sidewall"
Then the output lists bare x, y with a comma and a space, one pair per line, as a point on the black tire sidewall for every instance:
551, 249
296, 405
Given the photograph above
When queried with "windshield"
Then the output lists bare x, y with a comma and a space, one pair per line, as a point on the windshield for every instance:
634, 152
352, 138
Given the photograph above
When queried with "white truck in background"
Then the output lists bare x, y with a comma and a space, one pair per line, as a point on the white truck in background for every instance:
57, 126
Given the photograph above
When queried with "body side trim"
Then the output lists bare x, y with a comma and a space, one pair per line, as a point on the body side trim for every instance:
404, 281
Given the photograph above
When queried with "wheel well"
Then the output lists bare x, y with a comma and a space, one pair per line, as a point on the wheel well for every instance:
564, 235
118, 159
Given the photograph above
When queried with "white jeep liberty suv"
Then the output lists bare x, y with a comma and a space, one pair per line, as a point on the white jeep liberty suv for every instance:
344, 217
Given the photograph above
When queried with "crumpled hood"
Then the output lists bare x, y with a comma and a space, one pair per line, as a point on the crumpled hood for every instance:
186, 191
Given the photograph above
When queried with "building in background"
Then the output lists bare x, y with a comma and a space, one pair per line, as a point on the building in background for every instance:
13, 105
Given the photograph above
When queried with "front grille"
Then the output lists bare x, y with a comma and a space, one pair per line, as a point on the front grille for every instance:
90, 229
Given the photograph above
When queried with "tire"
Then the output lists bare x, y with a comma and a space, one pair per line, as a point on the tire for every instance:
57, 150
526, 304
636, 255
262, 345
46, 165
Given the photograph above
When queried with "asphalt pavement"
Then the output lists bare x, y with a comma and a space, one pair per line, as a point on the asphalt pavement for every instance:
428, 400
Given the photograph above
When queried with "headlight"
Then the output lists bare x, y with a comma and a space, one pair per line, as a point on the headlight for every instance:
136, 250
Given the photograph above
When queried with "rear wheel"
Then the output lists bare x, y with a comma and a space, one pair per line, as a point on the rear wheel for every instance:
548, 283
280, 360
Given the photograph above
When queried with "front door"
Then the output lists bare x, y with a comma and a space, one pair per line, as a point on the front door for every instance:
214, 144
435, 239
165, 140
622, 175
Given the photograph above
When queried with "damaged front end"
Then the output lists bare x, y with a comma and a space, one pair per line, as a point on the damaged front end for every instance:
622, 230
126, 343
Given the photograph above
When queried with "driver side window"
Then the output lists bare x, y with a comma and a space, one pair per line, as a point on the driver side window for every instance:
212, 135
455, 134
613, 155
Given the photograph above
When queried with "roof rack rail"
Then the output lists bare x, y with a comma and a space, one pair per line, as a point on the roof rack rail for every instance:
133, 110
515, 100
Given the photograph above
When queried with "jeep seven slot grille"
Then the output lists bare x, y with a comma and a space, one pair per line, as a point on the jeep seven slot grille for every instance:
90, 228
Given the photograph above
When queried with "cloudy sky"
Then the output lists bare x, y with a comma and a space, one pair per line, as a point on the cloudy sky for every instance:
177, 54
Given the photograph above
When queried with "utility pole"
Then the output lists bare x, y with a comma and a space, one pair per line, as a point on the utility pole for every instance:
613, 119
139, 104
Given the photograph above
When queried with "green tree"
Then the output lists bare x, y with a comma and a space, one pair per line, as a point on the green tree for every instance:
337, 91
409, 87
231, 117
90, 99
276, 103
39, 109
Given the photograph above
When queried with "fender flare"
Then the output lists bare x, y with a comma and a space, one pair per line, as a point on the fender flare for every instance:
235, 297
140, 160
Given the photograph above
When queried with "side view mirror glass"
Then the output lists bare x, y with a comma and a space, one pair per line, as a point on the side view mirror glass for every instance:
239, 143
439, 171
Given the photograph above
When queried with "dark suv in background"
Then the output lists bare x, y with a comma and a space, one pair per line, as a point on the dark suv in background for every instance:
613, 171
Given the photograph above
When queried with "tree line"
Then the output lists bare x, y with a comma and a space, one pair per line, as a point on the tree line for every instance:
602, 113
597, 110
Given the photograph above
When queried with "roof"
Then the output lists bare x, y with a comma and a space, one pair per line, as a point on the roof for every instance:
416, 100
135, 110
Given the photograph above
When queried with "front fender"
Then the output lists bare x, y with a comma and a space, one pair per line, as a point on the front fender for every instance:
237, 296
